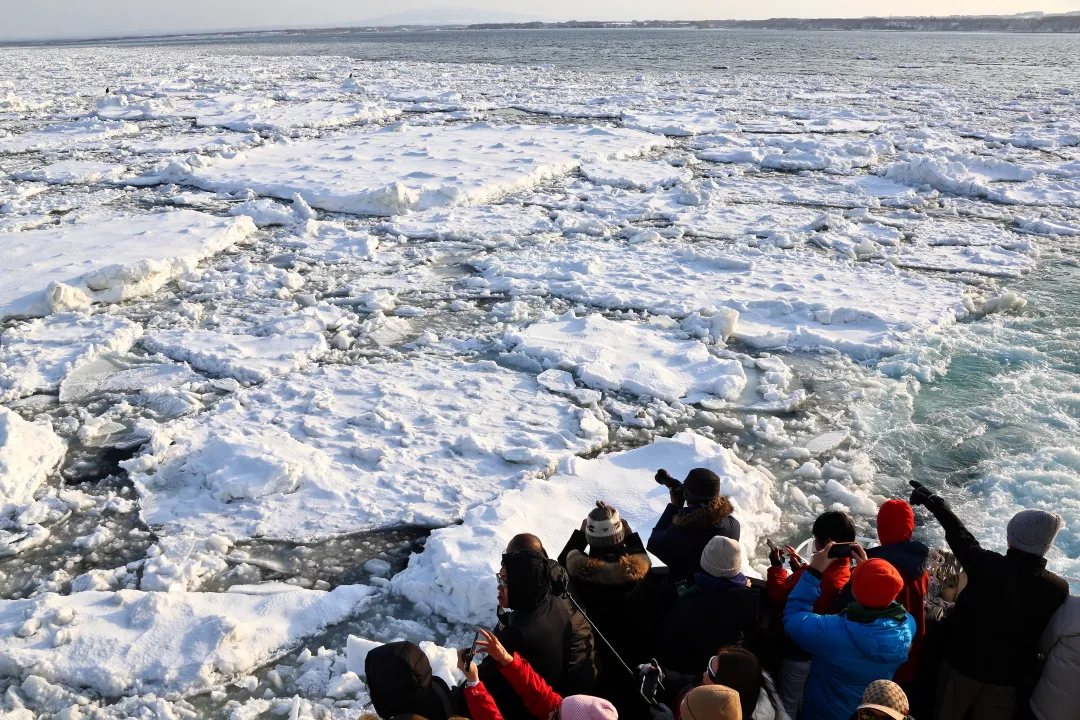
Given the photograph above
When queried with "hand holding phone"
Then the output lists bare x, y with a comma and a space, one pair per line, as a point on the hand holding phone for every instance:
841, 550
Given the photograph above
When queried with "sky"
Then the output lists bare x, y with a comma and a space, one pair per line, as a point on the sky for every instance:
45, 19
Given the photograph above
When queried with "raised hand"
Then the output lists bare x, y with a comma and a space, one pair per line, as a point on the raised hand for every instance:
490, 644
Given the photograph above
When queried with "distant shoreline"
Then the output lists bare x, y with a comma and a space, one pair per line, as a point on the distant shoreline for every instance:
1068, 23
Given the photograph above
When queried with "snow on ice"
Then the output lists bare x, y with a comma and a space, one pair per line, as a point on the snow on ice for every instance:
74, 266
342, 449
624, 356
391, 170
455, 575
28, 453
133, 642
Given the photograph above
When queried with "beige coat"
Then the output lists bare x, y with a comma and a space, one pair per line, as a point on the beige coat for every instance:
1057, 696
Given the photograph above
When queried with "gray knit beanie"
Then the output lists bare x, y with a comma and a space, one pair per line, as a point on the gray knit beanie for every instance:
1033, 531
722, 557
604, 527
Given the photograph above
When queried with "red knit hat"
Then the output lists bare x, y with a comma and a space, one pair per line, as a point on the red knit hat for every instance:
876, 583
895, 522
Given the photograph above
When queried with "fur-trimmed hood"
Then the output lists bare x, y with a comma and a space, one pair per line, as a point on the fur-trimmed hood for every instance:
705, 515
628, 568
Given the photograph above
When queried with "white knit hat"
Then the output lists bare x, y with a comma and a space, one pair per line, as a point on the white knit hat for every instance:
722, 557
1033, 531
604, 527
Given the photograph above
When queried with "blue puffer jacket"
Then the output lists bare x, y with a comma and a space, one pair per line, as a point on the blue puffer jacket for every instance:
847, 655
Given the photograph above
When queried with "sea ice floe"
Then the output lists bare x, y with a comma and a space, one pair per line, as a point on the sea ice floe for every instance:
75, 172
246, 358
455, 574
636, 174
399, 168
631, 357
992, 261
688, 122
63, 136
133, 642
194, 142
784, 299
282, 118
36, 356
480, 222
70, 267
28, 453
341, 449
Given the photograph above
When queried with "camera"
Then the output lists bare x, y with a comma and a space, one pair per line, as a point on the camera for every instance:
663, 477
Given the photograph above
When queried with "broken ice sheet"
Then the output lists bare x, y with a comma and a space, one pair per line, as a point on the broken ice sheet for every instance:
339, 449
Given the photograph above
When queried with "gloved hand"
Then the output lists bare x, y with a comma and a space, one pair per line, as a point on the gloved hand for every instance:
920, 494
776, 557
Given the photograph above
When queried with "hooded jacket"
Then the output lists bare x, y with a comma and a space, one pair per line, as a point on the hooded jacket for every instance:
712, 613
847, 655
680, 535
910, 560
603, 583
1057, 696
538, 628
400, 682
1012, 593
581, 672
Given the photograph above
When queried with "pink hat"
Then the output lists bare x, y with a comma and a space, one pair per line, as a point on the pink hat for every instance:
587, 707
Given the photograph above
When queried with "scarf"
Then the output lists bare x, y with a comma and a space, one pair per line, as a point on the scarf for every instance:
861, 614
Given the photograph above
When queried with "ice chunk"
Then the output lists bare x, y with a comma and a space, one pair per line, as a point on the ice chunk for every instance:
392, 170
28, 453
75, 172
133, 642
636, 174
342, 449
66, 135
317, 114
633, 358
71, 266
679, 123
37, 355
783, 299
245, 357
455, 574
485, 222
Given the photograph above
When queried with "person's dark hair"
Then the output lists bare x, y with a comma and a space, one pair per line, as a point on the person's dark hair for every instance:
526, 541
739, 669
528, 579
835, 526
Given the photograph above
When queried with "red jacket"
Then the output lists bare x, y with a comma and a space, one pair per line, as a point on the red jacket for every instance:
779, 585
537, 695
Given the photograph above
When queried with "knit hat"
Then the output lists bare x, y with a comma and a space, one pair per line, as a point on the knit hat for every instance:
722, 557
587, 707
400, 683
1033, 531
740, 670
701, 485
895, 522
887, 697
604, 527
876, 583
711, 702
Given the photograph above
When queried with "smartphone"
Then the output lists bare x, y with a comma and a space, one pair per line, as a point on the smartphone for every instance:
842, 550
471, 651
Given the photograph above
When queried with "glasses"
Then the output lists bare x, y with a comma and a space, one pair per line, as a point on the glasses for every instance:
712, 673
501, 580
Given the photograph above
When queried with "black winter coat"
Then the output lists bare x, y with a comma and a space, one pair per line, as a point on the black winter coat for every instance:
543, 637
582, 669
604, 587
993, 632
681, 534
707, 616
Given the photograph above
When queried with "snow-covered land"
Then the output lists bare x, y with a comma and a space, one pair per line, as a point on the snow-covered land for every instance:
292, 345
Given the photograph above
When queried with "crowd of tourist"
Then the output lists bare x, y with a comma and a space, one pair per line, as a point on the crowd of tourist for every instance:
598, 633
